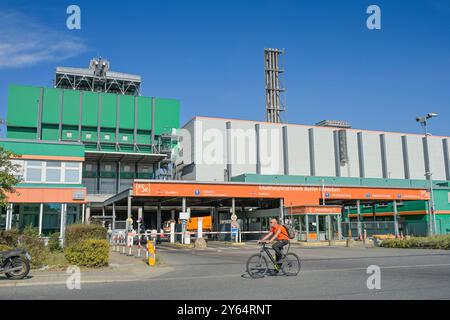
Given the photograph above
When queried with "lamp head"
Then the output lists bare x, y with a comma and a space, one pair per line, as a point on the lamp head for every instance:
420, 119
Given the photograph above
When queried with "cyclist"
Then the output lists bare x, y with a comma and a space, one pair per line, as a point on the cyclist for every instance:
279, 233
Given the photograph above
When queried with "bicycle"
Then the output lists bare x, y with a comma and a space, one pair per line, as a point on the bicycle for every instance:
257, 265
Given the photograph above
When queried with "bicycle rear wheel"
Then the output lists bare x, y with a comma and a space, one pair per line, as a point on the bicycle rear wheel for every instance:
291, 264
257, 266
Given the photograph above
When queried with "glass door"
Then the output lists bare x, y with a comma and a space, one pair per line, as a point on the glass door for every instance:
312, 221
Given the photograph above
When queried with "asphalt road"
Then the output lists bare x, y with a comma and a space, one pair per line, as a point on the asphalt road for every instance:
219, 273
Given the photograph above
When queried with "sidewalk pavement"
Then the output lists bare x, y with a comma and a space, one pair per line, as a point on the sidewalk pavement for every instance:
122, 268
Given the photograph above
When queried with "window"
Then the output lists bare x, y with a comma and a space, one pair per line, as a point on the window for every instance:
73, 213
34, 171
72, 172
25, 215
53, 171
69, 134
88, 136
107, 137
51, 216
125, 138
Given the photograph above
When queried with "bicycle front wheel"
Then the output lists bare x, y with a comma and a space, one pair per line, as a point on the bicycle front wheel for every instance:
257, 266
291, 264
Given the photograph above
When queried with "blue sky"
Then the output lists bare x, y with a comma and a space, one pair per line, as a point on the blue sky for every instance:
209, 55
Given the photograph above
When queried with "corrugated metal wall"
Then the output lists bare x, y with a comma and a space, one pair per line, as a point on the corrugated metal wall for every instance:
72, 115
254, 147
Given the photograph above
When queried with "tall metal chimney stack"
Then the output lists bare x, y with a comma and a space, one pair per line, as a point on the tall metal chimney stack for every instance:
274, 87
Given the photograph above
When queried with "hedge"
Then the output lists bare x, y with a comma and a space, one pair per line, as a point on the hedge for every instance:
36, 248
76, 233
9, 237
88, 253
435, 242
53, 242
29, 240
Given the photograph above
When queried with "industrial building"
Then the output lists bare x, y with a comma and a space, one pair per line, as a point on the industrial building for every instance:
83, 141
91, 148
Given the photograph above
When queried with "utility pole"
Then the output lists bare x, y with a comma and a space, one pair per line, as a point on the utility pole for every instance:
428, 174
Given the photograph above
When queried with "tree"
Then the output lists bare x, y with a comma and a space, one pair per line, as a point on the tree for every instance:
8, 175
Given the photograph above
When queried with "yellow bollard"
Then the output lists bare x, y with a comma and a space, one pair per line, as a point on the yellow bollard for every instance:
151, 253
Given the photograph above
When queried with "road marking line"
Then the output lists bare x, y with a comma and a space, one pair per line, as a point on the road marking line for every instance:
24, 284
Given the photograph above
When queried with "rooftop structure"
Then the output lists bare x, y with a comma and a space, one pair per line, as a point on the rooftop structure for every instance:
97, 78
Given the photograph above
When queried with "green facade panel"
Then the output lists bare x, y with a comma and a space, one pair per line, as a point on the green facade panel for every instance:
143, 137
71, 107
21, 133
43, 148
23, 104
51, 106
49, 132
125, 136
442, 199
90, 109
107, 135
144, 116
89, 134
167, 115
126, 114
108, 110
117, 113
69, 133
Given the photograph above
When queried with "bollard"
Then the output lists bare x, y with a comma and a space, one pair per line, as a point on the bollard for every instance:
139, 248
151, 254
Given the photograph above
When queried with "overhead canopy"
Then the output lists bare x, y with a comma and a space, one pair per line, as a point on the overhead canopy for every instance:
144, 158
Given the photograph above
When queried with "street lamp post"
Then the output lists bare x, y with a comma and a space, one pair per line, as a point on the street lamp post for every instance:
428, 174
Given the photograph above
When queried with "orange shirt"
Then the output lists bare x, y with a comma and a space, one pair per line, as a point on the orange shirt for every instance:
283, 234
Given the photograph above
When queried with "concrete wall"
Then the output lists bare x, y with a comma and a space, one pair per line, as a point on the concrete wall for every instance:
259, 147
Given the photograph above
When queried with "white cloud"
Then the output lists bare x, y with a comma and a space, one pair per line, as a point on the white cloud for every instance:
25, 42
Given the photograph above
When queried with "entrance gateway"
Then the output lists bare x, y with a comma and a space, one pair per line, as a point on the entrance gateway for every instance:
252, 204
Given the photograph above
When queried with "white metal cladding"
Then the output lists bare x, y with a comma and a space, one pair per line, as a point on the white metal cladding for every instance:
351, 169
298, 150
271, 149
210, 142
372, 155
210, 146
243, 148
324, 152
436, 154
416, 157
394, 156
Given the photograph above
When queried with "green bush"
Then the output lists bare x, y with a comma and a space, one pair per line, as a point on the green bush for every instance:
9, 237
76, 233
53, 242
36, 248
435, 242
88, 253
31, 231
